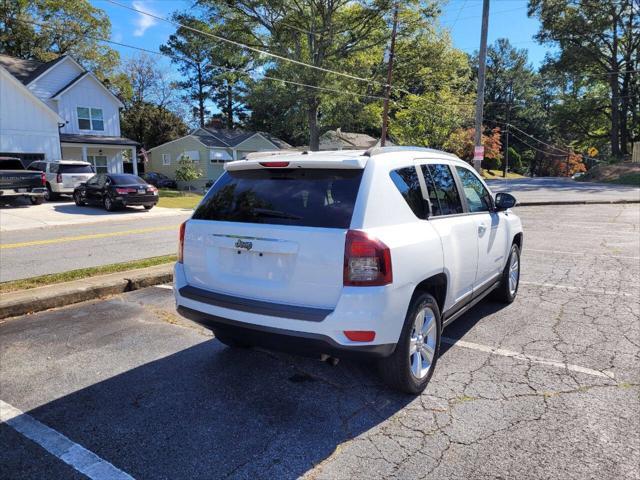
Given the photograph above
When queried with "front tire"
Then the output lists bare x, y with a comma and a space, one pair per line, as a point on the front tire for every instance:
508, 289
78, 199
411, 365
109, 206
148, 207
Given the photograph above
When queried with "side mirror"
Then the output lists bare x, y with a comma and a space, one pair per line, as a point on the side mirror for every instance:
504, 201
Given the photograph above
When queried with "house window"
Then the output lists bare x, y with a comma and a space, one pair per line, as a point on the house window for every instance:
90, 119
194, 155
166, 159
99, 163
219, 156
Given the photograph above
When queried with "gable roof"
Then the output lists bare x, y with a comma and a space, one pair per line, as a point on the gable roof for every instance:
20, 86
333, 138
27, 70
69, 85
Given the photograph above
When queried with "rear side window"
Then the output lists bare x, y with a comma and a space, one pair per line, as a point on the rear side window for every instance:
11, 164
75, 169
302, 197
443, 193
406, 180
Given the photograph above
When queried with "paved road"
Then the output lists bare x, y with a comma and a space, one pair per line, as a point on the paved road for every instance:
556, 189
38, 251
547, 387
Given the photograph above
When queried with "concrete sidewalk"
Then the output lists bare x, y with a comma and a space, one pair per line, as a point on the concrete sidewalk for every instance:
24, 217
555, 190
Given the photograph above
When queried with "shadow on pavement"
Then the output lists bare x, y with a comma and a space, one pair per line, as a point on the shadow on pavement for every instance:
212, 412
93, 210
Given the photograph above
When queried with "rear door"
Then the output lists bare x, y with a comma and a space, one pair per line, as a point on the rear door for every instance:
273, 234
491, 228
457, 231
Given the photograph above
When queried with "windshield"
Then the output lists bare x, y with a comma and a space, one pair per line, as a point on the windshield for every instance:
125, 179
309, 197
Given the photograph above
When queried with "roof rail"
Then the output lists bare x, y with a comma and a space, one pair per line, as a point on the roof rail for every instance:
379, 150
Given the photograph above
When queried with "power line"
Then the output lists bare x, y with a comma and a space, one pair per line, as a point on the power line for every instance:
538, 149
510, 125
248, 47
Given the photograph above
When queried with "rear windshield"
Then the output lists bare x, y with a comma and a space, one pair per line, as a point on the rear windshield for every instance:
124, 179
66, 168
308, 198
11, 164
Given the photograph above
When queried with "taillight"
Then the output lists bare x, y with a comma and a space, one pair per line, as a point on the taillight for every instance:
43, 179
183, 227
274, 164
122, 191
367, 261
59, 178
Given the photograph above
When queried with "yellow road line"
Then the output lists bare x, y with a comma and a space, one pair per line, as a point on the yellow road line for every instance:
87, 237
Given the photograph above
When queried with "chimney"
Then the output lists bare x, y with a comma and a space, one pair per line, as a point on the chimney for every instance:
216, 123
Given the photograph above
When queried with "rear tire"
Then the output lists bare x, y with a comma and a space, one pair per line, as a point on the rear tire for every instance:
508, 289
411, 365
49, 195
232, 342
36, 200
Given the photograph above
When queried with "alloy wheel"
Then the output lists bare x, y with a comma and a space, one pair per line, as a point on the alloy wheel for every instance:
514, 273
422, 344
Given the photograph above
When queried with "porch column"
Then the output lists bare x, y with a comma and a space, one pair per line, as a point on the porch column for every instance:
235, 154
84, 153
134, 159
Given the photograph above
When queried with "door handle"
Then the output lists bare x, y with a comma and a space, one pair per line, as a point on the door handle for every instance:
481, 229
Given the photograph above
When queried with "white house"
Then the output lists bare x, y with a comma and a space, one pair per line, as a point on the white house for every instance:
88, 115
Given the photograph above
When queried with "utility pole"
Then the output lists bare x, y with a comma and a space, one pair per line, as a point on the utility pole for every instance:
481, 70
506, 140
385, 112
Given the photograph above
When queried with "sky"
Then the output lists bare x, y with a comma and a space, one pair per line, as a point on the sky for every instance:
508, 19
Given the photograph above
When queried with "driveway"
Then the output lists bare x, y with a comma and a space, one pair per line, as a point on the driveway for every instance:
555, 189
546, 387
57, 213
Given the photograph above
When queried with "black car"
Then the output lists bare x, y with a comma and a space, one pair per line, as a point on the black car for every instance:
116, 190
159, 180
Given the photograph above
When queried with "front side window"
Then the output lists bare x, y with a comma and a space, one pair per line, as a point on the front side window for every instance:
90, 119
406, 181
99, 163
478, 197
302, 197
443, 193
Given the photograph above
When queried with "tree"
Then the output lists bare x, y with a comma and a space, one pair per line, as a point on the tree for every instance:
187, 171
151, 112
461, 143
323, 33
191, 52
46, 29
599, 40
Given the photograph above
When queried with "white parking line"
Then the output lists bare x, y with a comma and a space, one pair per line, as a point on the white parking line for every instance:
165, 286
572, 287
78, 457
527, 358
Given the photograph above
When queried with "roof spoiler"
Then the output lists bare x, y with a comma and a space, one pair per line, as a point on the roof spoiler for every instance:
271, 153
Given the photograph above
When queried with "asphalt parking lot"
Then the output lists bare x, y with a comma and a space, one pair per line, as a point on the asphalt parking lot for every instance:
548, 387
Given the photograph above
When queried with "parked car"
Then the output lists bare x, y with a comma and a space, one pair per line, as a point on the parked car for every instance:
159, 180
63, 176
16, 182
348, 253
116, 190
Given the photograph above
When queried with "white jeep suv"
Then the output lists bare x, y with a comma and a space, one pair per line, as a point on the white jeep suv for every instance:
347, 253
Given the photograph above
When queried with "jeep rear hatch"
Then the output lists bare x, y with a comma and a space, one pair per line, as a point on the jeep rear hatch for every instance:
274, 234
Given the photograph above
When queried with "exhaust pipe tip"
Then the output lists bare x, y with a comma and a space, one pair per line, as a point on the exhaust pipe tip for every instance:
333, 361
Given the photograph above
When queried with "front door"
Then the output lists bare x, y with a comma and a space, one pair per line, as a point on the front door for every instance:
491, 229
457, 232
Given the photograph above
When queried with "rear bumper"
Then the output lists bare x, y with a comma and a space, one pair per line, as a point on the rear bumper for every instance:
301, 343
57, 188
34, 192
136, 201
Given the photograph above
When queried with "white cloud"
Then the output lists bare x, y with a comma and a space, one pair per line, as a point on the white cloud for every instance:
143, 22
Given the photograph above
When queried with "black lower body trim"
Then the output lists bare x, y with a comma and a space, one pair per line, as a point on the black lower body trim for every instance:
260, 307
302, 343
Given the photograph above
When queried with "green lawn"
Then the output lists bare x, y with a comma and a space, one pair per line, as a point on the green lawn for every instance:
177, 199
42, 280
627, 179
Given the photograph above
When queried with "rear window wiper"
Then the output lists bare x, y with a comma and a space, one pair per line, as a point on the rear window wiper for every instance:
265, 212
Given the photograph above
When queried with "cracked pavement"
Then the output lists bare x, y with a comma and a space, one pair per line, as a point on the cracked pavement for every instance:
158, 397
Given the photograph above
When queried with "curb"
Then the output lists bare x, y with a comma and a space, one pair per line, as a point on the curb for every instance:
61, 294
575, 202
